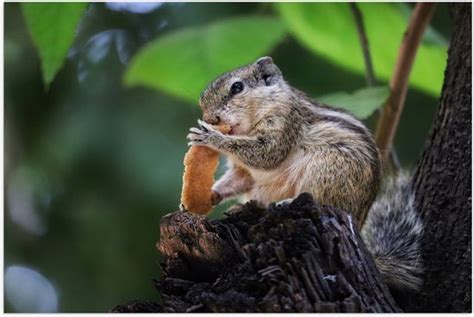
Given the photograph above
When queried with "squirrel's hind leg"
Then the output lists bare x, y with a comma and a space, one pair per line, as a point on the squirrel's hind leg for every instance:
235, 181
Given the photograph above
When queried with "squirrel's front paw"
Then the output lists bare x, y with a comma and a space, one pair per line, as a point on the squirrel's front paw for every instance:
204, 135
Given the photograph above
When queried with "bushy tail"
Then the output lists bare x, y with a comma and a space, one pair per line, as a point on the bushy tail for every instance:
392, 233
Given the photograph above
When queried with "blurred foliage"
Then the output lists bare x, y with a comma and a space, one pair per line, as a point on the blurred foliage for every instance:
182, 63
328, 30
362, 103
92, 165
52, 27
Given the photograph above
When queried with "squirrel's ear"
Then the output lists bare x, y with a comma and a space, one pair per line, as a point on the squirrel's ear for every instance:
267, 70
265, 60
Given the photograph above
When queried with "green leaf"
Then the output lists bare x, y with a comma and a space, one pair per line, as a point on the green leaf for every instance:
52, 27
328, 29
361, 103
183, 62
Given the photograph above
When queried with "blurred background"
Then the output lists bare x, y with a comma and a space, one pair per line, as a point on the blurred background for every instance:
98, 101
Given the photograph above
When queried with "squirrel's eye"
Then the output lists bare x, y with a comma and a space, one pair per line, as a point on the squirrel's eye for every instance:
237, 87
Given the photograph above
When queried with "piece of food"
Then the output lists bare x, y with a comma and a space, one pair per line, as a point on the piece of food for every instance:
200, 165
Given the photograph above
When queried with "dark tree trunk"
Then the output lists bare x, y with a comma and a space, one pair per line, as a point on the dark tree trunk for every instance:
442, 183
300, 257
306, 257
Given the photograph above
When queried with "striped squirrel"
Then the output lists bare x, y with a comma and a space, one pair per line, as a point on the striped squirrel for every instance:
283, 143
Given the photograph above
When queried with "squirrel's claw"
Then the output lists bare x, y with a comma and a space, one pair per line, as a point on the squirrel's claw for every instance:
203, 125
204, 135
196, 137
206, 126
196, 131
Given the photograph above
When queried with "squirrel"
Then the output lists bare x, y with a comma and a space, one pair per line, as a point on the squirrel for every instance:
283, 143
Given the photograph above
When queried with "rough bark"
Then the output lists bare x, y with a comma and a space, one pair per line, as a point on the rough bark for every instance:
138, 306
442, 183
301, 257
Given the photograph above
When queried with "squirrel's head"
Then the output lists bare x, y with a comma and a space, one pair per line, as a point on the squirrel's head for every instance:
236, 98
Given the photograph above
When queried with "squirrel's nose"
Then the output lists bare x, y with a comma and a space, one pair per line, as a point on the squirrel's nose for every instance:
211, 119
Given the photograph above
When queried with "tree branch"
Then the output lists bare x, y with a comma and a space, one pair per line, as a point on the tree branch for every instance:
388, 122
369, 69
364, 43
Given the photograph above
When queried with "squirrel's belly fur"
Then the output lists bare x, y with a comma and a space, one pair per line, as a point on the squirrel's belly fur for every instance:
337, 164
317, 172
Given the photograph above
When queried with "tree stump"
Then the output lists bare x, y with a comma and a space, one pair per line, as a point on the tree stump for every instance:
300, 257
